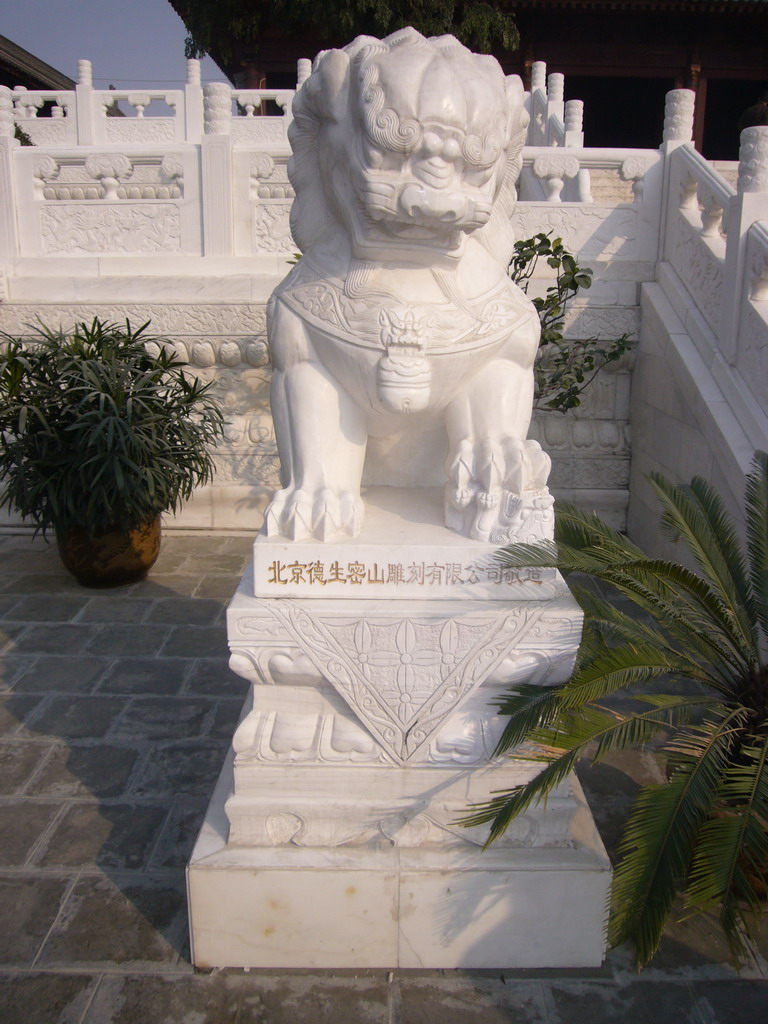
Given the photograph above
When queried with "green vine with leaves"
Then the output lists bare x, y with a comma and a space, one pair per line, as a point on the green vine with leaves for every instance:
564, 369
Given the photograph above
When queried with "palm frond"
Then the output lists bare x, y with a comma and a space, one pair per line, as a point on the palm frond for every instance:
580, 530
660, 837
698, 616
756, 507
615, 668
503, 808
730, 866
529, 708
696, 515
608, 625
560, 746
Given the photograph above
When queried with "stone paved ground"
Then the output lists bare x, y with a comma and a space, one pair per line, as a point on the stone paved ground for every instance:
116, 710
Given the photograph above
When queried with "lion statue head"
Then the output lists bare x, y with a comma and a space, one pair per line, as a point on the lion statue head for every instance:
403, 147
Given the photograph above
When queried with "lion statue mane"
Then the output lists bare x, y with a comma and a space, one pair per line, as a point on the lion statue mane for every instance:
400, 319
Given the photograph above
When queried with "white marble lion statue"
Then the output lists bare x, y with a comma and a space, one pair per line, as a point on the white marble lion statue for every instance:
400, 316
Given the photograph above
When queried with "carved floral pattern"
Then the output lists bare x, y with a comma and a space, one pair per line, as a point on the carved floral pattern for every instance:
753, 160
134, 130
260, 130
195, 320
590, 231
678, 115
217, 100
699, 269
371, 665
126, 229
271, 228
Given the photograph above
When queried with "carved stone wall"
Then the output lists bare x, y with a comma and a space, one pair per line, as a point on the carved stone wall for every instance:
226, 342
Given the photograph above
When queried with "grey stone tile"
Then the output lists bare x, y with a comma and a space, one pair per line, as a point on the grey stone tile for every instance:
168, 585
455, 999
190, 545
65, 638
7, 603
164, 717
186, 611
48, 608
219, 587
175, 845
196, 642
28, 908
640, 1002
77, 717
14, 712
145, 676
134, 639
226, 564
692, 942
225, 718
21, 824
319, 997
214, 677
240, 545
128, 920
33, 582
85, 770
52, 998
12, 666
171, 561
108, 606
10, 635
182, 768
172, 999
109, 836
37, 558
61, 674
18, 761
729, 1002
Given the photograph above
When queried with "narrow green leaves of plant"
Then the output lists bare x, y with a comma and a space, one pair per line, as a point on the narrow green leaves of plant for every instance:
97, 432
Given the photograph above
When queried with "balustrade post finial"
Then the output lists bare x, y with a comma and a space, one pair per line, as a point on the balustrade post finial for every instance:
539, 76
193, 71
303, 71
574, 116
753, 160
678, 115
555, 87
6, 112
217, 106
84, 72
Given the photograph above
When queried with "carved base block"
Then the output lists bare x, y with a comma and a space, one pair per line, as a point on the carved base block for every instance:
382, 905
405, 552
333, 839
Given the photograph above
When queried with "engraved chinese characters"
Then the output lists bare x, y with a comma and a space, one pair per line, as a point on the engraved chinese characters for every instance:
400, 317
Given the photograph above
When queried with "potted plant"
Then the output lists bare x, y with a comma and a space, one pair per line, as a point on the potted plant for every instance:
98, 437
703, 832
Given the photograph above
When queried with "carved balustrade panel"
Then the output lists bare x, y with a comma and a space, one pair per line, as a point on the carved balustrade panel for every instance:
696, 230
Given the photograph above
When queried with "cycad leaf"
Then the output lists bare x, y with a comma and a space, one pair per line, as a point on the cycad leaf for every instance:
529, 708
612, 669
561, 746
731, 858
696, 515
756, 506
660, 837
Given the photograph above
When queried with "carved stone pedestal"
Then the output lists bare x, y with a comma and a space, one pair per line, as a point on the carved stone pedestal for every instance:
333, 837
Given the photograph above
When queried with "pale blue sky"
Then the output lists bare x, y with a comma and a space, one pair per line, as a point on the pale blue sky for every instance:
133, 42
